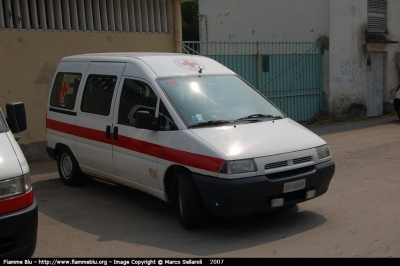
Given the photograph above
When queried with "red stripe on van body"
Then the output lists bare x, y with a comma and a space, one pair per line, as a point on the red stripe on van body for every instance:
170, 154
60, 126
92, 134
136, 145
204, 162
192, 159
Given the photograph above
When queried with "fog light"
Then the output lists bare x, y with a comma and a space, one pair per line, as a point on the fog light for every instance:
277, 202
310, 194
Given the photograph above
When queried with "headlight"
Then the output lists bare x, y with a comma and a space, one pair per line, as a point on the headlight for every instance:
238, 167
323, 152
15, 186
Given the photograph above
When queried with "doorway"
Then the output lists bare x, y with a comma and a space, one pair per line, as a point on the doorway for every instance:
375, 84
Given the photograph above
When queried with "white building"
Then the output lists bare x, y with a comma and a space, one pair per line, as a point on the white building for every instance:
360, 38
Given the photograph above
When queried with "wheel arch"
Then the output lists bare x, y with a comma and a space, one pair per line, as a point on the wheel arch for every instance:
171, 181
59, 146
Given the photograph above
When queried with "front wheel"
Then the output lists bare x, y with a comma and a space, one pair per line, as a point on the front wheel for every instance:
68, 168
189, 202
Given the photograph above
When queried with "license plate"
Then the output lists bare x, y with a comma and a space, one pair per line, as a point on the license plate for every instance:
294, 185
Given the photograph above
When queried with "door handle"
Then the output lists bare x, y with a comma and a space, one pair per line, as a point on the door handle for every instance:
108, 132
115, 134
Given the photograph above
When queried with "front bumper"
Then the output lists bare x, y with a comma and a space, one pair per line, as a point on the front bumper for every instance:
246, 196
18, 232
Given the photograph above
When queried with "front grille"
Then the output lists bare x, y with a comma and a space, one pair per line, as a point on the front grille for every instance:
290, 173
302, 160
276, 165
285, 163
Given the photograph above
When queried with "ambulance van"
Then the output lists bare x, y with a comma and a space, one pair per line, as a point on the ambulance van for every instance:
184, 129
18, 206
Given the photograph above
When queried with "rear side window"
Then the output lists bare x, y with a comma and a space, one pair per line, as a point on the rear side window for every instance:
98, 94
65, 89
135, 96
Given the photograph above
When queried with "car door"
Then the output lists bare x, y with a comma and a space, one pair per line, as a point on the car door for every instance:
95, 117
135, 150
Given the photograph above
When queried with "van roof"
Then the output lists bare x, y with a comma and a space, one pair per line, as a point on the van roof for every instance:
163, 64
114, 57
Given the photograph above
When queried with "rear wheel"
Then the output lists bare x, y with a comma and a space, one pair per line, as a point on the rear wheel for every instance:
396, 103
68, 168
189, 202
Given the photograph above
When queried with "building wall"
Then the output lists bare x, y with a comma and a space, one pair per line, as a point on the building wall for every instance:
29, 58
340, 24
347, 60
260, 20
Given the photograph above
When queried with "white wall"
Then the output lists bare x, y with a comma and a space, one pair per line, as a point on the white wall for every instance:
347, 60
261, 20
392, 77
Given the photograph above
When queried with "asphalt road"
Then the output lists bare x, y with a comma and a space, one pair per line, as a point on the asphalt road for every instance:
357, 217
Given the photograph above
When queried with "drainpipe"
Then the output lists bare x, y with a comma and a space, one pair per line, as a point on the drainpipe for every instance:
178, 26
203, 27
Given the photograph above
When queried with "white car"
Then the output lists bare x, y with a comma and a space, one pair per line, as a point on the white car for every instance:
18, 206
182, 128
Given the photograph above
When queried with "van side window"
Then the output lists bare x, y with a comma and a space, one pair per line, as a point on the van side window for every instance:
65, 89
98, 94
166, 123
135, 96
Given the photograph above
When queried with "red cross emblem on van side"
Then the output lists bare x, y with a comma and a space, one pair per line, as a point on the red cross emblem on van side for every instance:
63, 90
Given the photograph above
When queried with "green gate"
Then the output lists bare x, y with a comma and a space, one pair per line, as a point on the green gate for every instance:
288, 73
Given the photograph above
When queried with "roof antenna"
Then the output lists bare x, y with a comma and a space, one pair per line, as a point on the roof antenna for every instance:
200, 70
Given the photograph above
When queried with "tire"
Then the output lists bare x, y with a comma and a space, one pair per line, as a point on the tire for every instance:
396, 103
68, 168
190, 205
398, 112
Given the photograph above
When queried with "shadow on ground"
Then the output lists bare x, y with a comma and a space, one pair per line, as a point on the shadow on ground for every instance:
124, 214
322, 130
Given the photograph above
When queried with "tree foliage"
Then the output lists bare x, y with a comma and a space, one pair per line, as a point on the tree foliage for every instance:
190, 20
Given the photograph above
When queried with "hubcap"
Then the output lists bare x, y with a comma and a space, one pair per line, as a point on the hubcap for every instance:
66, 166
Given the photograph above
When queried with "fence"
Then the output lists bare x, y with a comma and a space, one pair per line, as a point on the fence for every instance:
288, 73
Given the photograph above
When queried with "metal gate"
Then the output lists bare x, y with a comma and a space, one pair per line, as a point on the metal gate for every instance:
288, 73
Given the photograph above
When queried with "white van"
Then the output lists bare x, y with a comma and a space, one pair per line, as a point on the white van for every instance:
182, 128
18, 206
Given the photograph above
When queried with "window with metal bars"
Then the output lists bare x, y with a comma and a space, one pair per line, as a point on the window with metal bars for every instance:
150, 16
377, 16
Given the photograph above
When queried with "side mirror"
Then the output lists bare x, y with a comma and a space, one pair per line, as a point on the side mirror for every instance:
144, 120
16, 116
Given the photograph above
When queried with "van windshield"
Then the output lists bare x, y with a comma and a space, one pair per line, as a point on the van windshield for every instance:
212, 100
3, 125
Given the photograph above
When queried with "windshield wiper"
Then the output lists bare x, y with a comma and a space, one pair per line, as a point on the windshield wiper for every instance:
210, 123
255, 116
